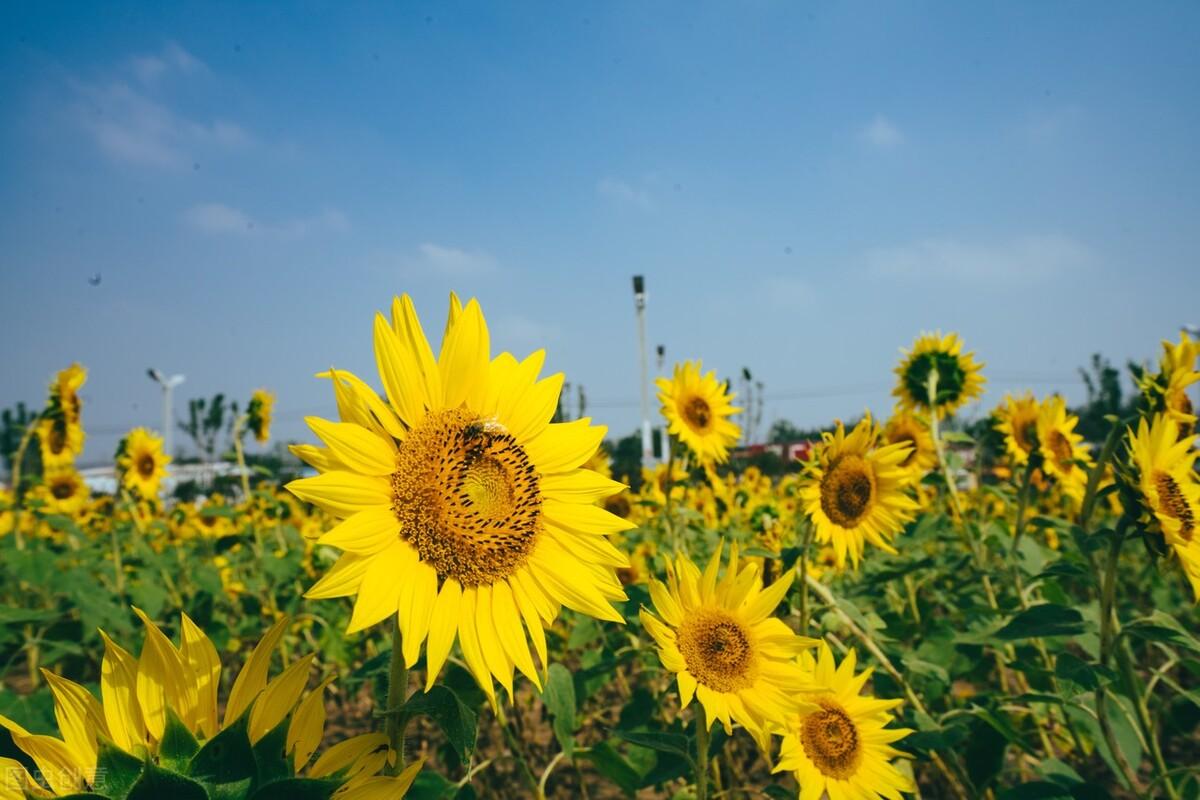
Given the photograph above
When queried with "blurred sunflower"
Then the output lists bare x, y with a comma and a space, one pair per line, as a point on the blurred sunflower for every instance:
262, 404
959, 379
144, 701
58, 442
1168, 489
697, 409
1167, 390
63, 491
142, 462
855, 491
723, 645
839, 746
6, 514
1017, 419
904, 427
64, 393
1066, 457
465, 510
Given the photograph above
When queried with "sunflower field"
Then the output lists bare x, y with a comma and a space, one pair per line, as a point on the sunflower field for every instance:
454, 594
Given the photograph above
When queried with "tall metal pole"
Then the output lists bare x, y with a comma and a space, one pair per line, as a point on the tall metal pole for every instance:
639, 299
168, 390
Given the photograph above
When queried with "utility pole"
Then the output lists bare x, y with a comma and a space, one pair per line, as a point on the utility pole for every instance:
639, 301
168, 389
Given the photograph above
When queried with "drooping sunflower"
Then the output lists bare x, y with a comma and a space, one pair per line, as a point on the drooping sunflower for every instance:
959, 377
1066, 457
142, 462
58, 442
839, 745
854, 491
262, 404
1017, 419
723, 645
697, 408
170, 693
63, 491
904, 427
1168, 489
465, 511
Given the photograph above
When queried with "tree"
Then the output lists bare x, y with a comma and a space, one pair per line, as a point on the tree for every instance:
1104, 396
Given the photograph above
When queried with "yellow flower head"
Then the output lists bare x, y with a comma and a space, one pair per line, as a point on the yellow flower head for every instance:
59, 442
1166, 391
839, 745
64, 393
1017, 419
959, 379
1066, 457
854, 491
1168, 489
63, 492
262, 403
904, 427
725, 648
172, 690
142, 462
697, 409
465, 511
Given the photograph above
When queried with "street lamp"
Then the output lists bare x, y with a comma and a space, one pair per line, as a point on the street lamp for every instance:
639, 301
1191, 330
168, 386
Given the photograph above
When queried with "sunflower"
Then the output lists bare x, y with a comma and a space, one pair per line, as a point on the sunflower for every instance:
1167, 390
170, 691
64, 393
142, 462
465, 510
723, 645
1066, 457
697, 409
1017, 419
839, 745
958, 375
904, 427
59, 442
262, 403
63, 491
855, 491
1168, 489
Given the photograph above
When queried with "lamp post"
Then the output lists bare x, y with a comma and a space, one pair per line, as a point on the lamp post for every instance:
639, 301
168, 388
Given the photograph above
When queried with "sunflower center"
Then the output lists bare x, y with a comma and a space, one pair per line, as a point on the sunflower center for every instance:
57, 439
467, 497
1175, 505
1060, 446
62, 489
698, 413
1025, 435
830, 740
847, 490
145, 466
717, 651
908, 438
951, 381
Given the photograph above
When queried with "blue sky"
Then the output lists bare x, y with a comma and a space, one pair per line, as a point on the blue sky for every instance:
805, 187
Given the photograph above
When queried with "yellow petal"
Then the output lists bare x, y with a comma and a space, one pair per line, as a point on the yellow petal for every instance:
584, 518
355, 446
279, 698
507, 621
468, 640
343, 494
342, 579
380, 587
415, 613
443, 624
464, 359
55, 761
564, 446
202, 660
408, 327
345, 753
400, 374
252, 678
118, 688
533, 622
579, 486
384, 787
321, 459
366, 533
161, 681
307, 726
79, 717
489, 643
537, 409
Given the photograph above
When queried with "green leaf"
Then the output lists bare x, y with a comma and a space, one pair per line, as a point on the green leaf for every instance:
157, 783
10, 615
559, 697
1047, 619
662, 742
1036, 790
1087, 675
454, 717
116, 771
612, 765
1162, 627
429, 785
296, 789
178, 744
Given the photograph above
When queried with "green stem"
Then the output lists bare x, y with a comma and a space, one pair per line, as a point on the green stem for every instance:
241, 455
1022, 504
118, 566
16, 481
1107, 633
1149, 730
669, 484
397, 695
514, 744
701, 754
805, 542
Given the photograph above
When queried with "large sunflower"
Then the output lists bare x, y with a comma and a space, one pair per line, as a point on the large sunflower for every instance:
959, 379
904, 427
170, 692
697, 408
465, 510
1168, 489
1017, 419
143, 463
1066, 457
854, 492
723, 645
839, 745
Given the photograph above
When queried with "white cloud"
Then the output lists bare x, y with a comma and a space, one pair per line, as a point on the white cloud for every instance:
1019, 260
453, 262
787, 291
625, 193
222, 220
882, 133
151, 66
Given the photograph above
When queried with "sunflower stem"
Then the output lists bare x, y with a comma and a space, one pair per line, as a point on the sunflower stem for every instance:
16, 481
701, 755
397, 695
238, 431
514, 744
805, 543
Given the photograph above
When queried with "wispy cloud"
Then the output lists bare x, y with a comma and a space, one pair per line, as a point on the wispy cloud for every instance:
453, 262
222, 220
881, 133
625, 193
1019, 260
130, 121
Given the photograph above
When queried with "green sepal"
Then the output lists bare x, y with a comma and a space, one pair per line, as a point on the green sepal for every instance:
227, 758
297, 789
178, 745
157, 783
116, 771
271, 762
